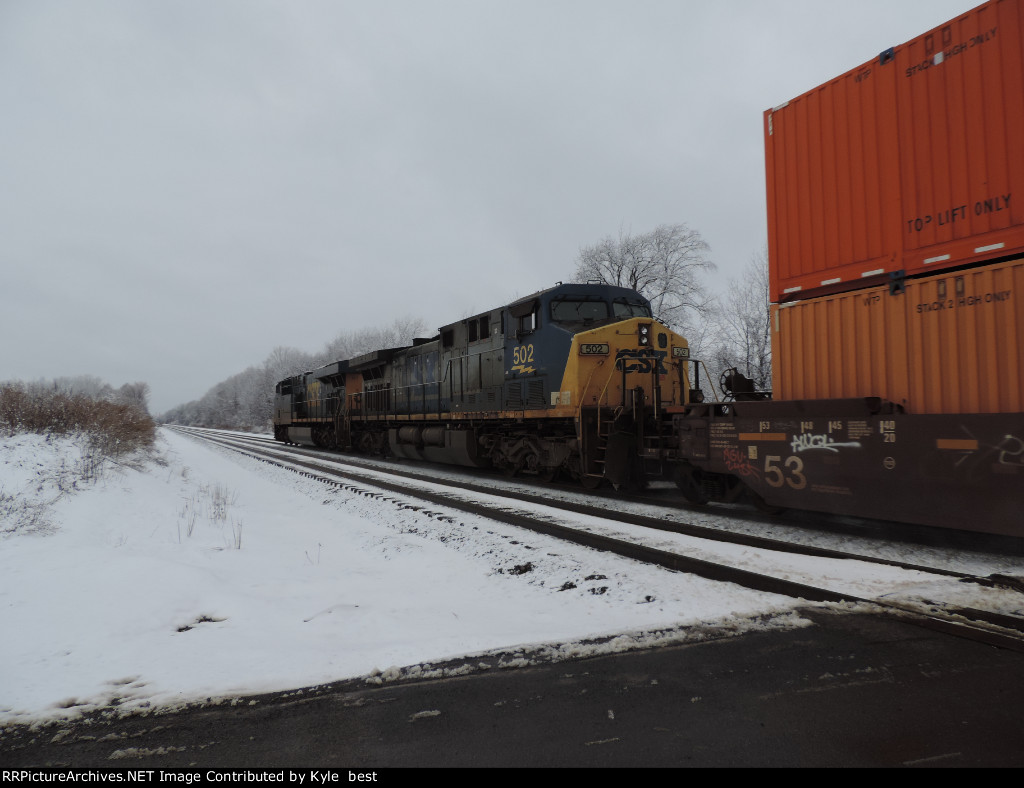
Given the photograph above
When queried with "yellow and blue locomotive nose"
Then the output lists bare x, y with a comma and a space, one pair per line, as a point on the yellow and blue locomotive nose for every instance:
631, 354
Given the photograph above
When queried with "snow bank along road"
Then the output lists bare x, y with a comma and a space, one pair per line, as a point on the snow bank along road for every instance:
213, 575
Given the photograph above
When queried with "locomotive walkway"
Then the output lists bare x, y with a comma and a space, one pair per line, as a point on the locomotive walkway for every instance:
852, 690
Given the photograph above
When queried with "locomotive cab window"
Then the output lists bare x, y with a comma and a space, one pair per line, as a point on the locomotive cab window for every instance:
624, 309
578, 310
478, 328
524, 318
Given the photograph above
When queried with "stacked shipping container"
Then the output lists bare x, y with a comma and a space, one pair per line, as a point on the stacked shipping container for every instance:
952, 343
878, 181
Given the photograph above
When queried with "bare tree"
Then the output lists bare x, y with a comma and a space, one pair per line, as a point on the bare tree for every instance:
284, 362
80, 385
246, 400
134, 394
400, 333
665, 266
743, 320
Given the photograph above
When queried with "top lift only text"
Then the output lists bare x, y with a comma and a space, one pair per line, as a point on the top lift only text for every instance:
959, 213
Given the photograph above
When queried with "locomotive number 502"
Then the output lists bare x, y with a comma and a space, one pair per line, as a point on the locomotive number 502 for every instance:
522, 354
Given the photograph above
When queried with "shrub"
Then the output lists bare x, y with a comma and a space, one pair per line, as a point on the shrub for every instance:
111, 428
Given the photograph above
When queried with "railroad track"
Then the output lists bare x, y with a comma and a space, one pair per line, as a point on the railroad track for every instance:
547, 516
668, 509
806, 526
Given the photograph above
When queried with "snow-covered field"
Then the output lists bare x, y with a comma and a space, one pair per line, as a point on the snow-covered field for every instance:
203, 574
208, 575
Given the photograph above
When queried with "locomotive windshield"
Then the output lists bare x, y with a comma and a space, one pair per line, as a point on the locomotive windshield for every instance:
578, 310
594, 310
625, 308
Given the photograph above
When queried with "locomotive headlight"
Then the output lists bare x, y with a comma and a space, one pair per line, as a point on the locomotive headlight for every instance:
645, 335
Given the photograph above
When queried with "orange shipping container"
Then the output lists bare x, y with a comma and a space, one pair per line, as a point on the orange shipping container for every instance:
951, 343
913, 161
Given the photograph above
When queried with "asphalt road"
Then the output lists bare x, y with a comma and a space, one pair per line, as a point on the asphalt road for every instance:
853, 690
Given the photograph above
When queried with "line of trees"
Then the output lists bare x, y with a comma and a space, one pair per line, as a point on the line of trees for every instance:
89, 387
668, 265
246, 401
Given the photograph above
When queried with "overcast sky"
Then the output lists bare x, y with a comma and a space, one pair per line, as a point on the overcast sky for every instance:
186, 184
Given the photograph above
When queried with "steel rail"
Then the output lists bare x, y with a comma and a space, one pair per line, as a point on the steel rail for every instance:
979, 626
672, 526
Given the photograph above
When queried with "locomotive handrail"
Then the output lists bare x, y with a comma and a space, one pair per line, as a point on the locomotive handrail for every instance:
353, 406
448, 366
423, 400
312, 408
583, 392
601, 396
448, 361
586, 385
604, 393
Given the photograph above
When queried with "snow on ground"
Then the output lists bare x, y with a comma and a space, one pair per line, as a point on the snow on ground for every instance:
843, 575
207, 574
719, 516
211, 575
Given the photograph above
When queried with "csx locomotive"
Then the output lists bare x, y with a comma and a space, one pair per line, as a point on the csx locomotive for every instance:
581, 381
575, 380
